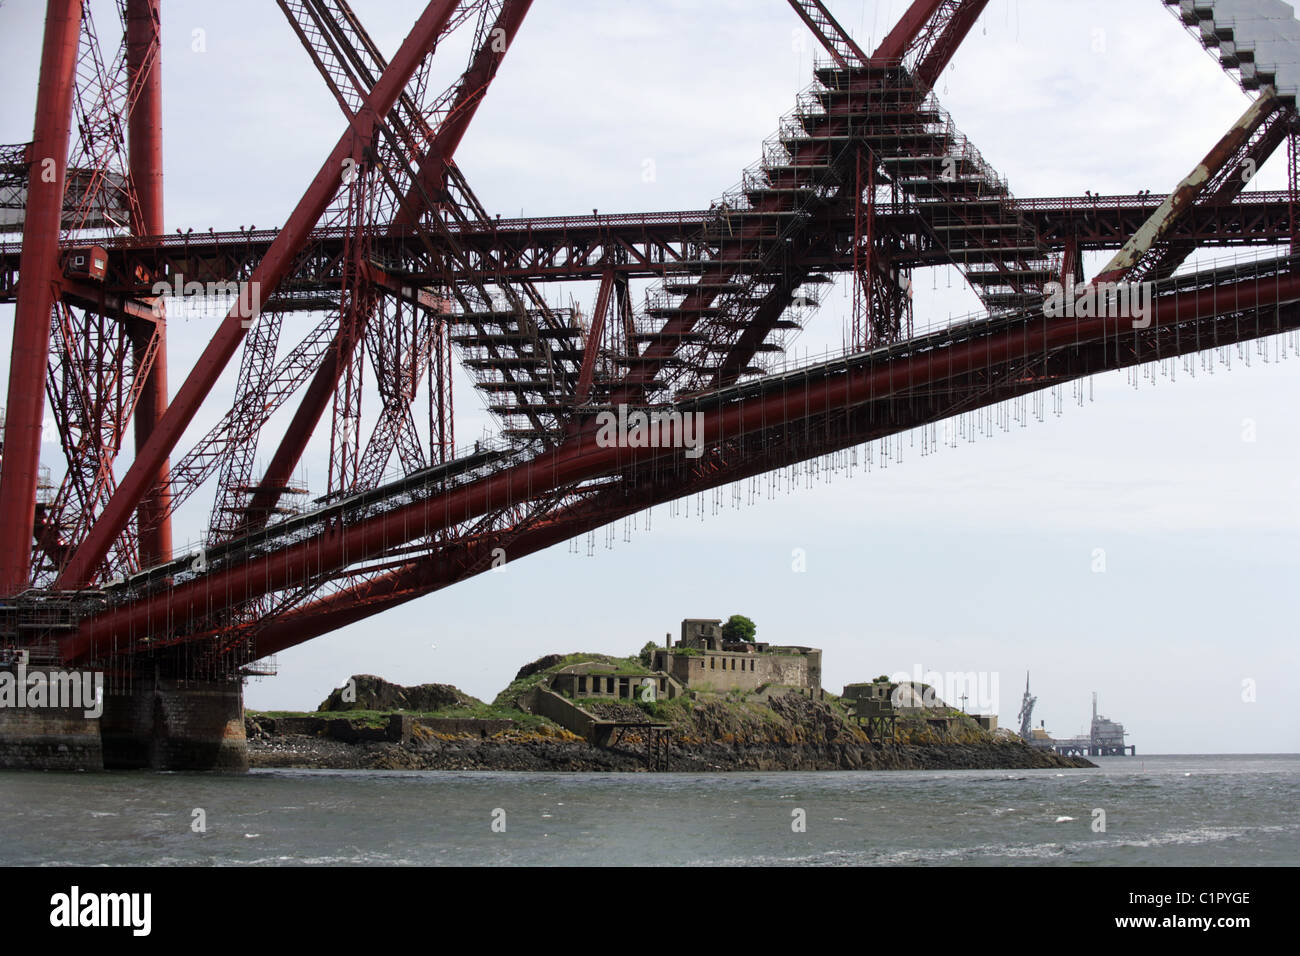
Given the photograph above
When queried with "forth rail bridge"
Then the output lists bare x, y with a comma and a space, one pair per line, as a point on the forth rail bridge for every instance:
403, 274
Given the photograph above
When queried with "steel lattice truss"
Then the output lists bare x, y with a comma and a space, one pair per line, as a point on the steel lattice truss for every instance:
406, 275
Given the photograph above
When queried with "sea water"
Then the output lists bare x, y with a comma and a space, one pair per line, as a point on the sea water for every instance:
1144, 810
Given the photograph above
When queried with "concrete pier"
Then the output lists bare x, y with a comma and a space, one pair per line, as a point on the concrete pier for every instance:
37, 736
149, 723
167, 724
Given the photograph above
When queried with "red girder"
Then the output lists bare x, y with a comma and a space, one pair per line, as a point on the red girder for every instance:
930, 33
899, 41
468, 94
936, 55
653, 245
93, 388
25, 410
837, 41
368, 562
595, 336
267, 276
1293, 187
583, 458
144, 129
448, 566
1220, 176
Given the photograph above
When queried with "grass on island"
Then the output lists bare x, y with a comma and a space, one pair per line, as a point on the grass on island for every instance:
623, 666
912, 727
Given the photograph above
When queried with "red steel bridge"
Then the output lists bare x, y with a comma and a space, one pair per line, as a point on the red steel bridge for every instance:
406, 275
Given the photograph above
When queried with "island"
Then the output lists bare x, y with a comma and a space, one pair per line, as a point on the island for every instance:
716, 700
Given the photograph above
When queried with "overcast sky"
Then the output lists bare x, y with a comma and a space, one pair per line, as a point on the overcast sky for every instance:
978, 558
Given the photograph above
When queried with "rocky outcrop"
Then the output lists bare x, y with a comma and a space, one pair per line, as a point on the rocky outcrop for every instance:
791, 732
539, 665
375, 693
800, 733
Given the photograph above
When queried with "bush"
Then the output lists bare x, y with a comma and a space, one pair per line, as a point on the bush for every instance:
647, 652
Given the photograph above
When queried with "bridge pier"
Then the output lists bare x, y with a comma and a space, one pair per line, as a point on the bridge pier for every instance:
37, 736
169, 724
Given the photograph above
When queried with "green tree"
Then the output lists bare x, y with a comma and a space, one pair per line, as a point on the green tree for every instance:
739, 628
647, 653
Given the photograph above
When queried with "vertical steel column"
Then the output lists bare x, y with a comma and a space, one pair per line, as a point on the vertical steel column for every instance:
1069, 259
442, 408
37, 293
144, 133
1292, 186
856, 335
873, 254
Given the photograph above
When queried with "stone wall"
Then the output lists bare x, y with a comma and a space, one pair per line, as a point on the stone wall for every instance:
741, 670
166, 724
49, 738
149, 724
568, 715
614, 686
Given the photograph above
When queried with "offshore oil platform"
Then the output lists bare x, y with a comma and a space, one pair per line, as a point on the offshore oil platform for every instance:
1104, 739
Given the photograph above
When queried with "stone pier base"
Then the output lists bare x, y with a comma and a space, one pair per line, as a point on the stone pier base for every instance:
150, 723
167, 724
39, 737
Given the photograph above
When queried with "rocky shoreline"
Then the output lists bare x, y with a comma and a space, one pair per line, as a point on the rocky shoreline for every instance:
799, 734
533, 752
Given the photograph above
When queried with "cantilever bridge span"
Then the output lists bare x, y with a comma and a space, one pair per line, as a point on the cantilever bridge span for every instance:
407, 276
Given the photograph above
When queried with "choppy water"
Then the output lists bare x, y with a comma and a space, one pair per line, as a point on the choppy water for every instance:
1166, 811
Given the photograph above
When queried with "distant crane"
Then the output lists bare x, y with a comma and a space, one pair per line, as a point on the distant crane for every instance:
1026, 714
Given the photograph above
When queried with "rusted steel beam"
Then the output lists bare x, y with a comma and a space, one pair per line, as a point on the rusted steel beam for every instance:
89, 295
574, 248
1144, 245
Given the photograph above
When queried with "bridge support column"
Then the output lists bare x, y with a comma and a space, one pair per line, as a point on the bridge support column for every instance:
37, 736
168, 724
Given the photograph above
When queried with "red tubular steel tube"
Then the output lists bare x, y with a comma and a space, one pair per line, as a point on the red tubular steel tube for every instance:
144, 132
900, 39
25, 410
